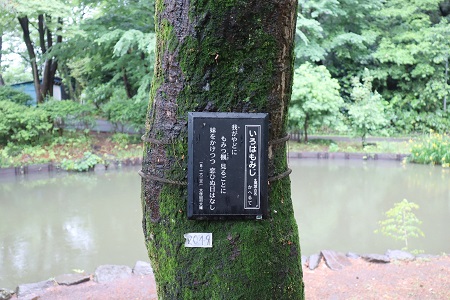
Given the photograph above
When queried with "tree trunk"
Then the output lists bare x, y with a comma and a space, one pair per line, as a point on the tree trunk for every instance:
228, 57
2, 82
24, 24
305, 128
44, 88
126, 83
446, 82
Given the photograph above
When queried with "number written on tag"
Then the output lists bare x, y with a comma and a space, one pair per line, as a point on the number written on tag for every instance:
198, 240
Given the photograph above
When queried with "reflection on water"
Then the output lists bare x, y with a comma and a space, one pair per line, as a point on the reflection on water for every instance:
338, 204
52, 224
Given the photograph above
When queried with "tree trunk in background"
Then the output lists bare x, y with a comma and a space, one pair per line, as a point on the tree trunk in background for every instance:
2, 82
24, 24
43, 83
305, 128
224, 56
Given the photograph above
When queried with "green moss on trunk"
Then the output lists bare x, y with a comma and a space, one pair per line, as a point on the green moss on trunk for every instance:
219, 56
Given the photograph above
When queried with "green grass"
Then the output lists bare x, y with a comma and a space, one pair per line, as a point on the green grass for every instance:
352, 146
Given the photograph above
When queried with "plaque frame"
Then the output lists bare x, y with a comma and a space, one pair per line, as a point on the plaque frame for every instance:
227, 165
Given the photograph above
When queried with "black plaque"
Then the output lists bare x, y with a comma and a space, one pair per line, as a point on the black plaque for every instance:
227, 169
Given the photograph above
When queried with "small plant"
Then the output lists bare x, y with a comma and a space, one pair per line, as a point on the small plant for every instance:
401, 222
122, 139
86, 163
333, 147
433, 149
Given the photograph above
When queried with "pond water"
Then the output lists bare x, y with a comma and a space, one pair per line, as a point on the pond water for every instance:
54, 223
338, 204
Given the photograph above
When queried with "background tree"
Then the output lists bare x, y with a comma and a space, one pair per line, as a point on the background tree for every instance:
6, 25
367, 113
315, 98
339, 35
41, 23
111, 55
412, 53
219, 56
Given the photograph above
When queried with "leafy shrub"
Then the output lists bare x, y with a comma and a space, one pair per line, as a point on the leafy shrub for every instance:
9, 94
122, 112
72, 140
21, 124
20, 155
413, 121
84, 164
433, 149
123, 139
67, 113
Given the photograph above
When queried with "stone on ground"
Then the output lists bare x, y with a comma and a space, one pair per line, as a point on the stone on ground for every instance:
6, 294
376, 258
335, 260
142, 268
399, 255
30, 288
71, 279
314, 261
304, 260
108, 273
352, 255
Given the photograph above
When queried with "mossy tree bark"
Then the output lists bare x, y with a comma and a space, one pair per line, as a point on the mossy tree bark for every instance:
225, 56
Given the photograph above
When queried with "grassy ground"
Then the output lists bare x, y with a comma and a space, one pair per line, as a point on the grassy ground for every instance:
119, 147
73, 147
342, 144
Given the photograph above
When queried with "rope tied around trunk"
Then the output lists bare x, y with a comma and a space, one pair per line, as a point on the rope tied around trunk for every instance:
184, 183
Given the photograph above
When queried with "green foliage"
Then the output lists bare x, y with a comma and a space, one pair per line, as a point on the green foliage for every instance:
433, 149
412, 121
401, 223
14, 72
20, 155
7, 93
124, 139
333, 147
72, 139
335, 32
122, 112
114, 49
84, 164
315, 98
66, 113
413, 53
404, 44
367, 113
21, 124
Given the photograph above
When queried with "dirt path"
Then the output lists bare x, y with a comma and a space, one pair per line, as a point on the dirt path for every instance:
419, 279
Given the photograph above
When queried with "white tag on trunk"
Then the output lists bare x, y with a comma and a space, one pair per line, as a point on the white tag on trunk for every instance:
198, 240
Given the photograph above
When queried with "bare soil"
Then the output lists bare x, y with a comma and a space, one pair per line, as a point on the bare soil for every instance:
419, 279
